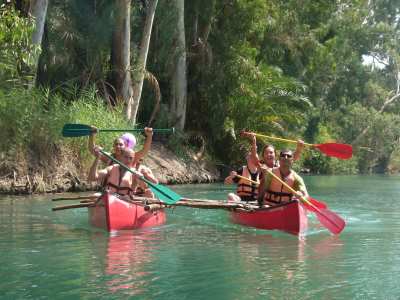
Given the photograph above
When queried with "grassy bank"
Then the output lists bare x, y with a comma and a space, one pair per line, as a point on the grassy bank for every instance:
30, 126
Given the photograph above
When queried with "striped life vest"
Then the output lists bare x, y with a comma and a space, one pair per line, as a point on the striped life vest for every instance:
277, 192
246, 190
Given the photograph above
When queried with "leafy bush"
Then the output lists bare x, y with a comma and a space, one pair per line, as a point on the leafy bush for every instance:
17, 53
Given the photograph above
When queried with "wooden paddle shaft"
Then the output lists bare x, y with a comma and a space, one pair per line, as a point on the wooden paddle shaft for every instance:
194, 203
93, 196
289, 187
249, 180
281, 139
72, 206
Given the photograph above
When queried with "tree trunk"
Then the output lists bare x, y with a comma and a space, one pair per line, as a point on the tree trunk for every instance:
38, 10
179, 79
121, 53
133, 104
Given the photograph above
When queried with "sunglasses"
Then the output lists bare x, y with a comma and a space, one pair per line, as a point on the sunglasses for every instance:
286, 155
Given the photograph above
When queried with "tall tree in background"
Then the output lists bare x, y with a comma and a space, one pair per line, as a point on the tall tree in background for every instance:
121, 53
140, 69
179, 79
38, 10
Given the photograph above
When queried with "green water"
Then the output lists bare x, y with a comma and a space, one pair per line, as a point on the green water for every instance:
198, 254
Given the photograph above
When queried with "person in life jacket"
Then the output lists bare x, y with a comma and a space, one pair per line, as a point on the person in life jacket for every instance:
246, 190
114, 178
127, 141
273, 192
142, 188
268, 155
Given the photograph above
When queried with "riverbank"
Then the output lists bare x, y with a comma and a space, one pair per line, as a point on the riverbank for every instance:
64, 172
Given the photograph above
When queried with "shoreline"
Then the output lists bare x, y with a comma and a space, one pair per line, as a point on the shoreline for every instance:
68, 176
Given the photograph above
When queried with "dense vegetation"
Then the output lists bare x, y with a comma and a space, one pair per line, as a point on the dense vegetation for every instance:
317, 70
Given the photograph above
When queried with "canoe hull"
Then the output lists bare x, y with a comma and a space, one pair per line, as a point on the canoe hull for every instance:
289, 217
112, 213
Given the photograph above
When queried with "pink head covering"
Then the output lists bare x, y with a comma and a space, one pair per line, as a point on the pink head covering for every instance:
129, 140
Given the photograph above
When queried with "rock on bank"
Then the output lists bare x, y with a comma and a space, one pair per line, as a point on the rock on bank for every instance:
65, 173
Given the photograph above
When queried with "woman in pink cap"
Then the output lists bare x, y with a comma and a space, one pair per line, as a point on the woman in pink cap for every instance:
127, 140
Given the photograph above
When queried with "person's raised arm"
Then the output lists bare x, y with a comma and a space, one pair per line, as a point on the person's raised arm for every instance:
252, 137
91, 144
299, 150
94, 174
147, 144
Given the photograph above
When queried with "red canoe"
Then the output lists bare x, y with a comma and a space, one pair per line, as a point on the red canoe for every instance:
290, 217
112, 213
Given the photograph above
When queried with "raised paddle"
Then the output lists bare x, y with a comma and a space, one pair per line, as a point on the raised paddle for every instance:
333, 222
162, 192
314, 202
76, 130
342, 151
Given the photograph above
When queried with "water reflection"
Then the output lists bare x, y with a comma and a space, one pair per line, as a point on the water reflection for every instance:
129, 255
285, 261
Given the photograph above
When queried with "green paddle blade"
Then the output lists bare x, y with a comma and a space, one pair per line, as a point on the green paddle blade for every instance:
162, 192
76, 130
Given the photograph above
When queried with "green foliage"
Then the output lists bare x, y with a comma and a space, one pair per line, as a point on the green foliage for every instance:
31, 122
89, 109
319, 163
17, 53
283, 67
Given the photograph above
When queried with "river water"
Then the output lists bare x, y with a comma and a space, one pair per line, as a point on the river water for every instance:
199, 254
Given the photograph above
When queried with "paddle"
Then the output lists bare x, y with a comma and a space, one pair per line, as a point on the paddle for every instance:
333, 222
76, 130
342, 151
80, 205
163, 193
314, 202
92, 196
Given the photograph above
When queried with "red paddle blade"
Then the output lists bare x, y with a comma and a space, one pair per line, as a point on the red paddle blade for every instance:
314, 204
330, 220
342, 151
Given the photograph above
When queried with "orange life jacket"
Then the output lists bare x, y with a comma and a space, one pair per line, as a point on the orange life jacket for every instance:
246, 189
277, 192
119, 182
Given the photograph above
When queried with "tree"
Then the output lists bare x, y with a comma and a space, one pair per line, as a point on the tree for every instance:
179, 80
139, 72
121, 53
38, 10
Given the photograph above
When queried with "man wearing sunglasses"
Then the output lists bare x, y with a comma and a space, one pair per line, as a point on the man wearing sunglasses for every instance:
273, 192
